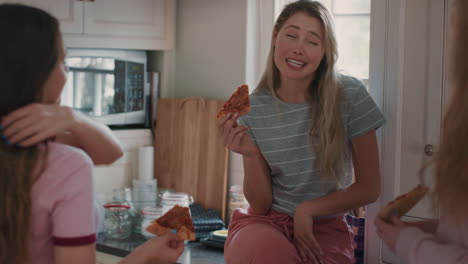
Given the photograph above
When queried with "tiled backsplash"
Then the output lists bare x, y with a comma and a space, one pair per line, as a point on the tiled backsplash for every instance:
121, 173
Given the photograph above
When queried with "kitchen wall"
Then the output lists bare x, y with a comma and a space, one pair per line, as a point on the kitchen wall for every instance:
210, 56
121, 173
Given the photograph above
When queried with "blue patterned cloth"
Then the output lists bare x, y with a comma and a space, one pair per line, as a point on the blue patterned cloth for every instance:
357, 225
205, 221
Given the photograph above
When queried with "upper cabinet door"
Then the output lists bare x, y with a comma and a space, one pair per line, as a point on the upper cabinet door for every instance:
128, 19
68, 12
126, 24
113, 24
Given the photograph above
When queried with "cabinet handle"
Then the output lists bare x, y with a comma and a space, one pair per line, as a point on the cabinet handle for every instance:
428, 150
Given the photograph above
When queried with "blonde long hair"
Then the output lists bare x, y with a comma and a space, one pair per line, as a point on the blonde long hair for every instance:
325, 93
451, 160
29, 52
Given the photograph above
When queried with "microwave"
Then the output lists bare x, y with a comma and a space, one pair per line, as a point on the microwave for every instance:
111, 86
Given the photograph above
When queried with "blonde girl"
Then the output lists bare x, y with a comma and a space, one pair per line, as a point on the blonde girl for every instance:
308, 127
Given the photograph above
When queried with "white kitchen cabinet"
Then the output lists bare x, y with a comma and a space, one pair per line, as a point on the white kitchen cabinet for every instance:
415, 62
119, 24
68, 12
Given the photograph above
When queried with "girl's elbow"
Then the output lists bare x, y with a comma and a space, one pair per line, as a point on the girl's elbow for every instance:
261, 207
372, 196
109, 158
260, 210
118, 154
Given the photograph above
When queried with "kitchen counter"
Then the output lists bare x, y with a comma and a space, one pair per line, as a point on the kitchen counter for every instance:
195, 252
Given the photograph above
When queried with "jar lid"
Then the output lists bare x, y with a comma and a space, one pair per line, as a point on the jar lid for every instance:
236, 189
175, 199
175, 195
153, 211
117, 206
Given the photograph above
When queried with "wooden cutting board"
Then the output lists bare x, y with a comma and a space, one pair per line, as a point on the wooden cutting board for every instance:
189, 155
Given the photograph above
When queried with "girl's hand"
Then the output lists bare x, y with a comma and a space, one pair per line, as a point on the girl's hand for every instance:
158, 250
34, 123
307, 247
427, 226
165, 249
389, 232
235, 137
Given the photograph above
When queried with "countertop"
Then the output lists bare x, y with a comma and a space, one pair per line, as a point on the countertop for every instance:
194, 253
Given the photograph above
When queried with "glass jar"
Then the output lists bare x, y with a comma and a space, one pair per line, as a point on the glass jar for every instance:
117, 220
170, 199
149, 215
236, 199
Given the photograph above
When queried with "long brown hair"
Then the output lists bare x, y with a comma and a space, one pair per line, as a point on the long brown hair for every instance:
451, 161
326, 92
28, 55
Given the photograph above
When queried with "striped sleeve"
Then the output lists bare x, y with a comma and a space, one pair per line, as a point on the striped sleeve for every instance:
243, 122
364, 115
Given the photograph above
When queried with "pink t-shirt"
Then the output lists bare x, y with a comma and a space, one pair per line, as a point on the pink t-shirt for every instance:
63, 211
449, 245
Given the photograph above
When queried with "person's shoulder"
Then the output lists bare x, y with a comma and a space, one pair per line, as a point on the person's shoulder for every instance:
260, 97
260, 100
62, 164
349, 83
60, 154
352, 87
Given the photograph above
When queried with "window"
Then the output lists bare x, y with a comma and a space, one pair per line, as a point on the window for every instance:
352, 29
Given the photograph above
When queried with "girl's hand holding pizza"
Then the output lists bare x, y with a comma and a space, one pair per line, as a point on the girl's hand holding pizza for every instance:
158, 250
235, 137
389, 232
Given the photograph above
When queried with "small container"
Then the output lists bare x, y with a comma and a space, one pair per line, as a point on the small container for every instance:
118, 220
149, 215
123, 195
170, 199
143, 198
236, 199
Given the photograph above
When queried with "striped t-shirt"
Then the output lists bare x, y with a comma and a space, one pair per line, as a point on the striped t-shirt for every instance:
281, 131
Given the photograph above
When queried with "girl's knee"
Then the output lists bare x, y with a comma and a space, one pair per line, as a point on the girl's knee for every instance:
262, 245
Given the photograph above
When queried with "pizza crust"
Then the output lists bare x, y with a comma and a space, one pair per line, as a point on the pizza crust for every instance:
403, 203
185, 234
156, 229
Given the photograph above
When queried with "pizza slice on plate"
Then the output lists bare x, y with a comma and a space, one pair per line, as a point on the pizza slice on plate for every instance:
177, 218
403, 203
237, 103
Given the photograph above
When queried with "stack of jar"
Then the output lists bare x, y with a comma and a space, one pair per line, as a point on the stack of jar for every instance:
118, 220
149, 215
170, 199
236, 199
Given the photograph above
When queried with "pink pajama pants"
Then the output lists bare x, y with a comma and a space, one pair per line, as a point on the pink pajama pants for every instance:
268, 239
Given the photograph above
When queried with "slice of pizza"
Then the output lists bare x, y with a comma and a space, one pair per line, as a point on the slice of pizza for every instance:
237, 103
177, 218
403, 203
